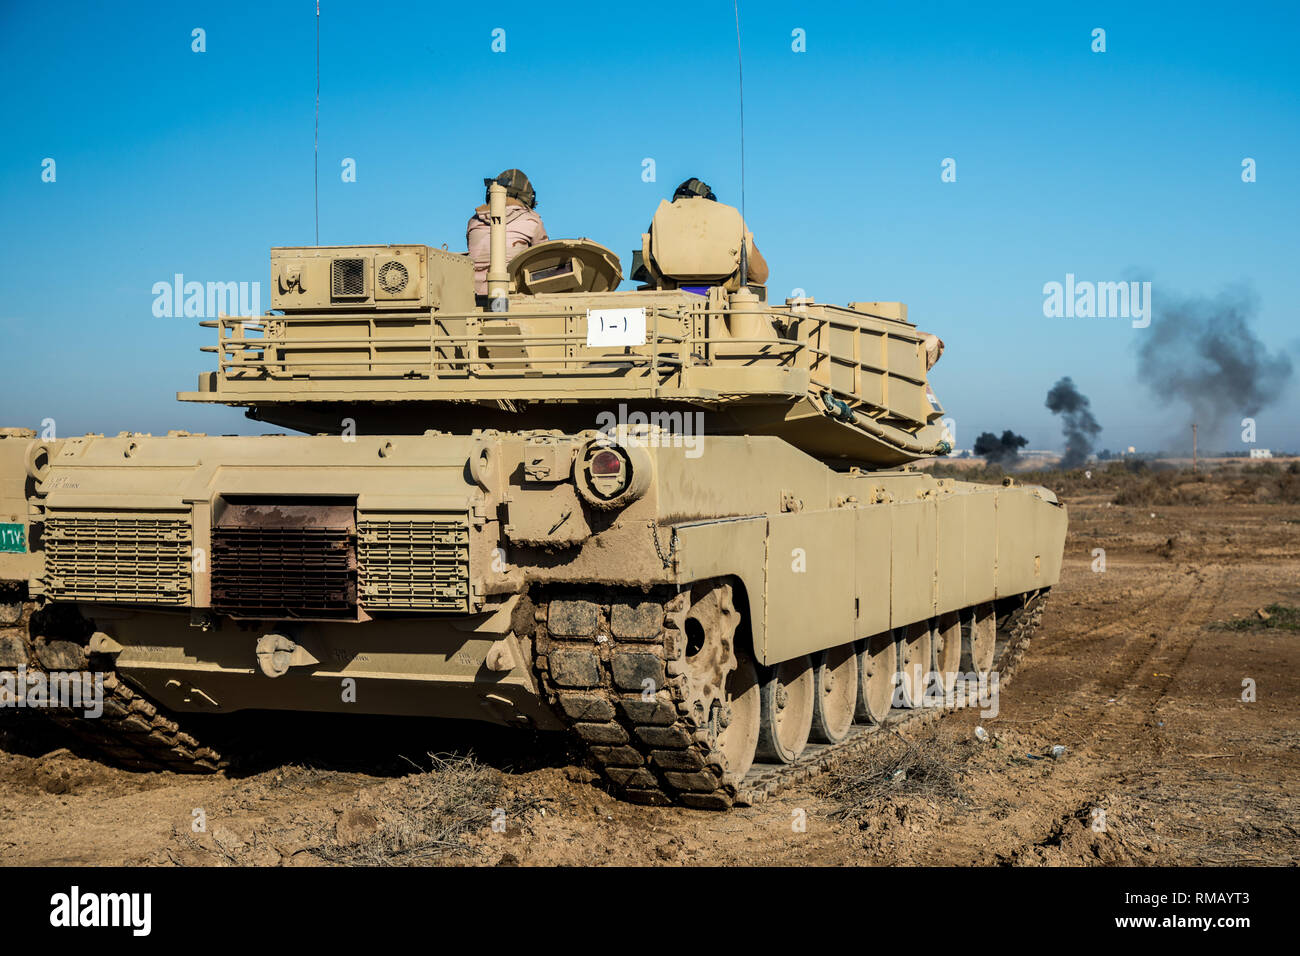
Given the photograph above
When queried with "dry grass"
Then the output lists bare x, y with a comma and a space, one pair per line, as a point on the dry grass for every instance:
1267, 483
1280, 616
1143, 484
896, 767
432, 814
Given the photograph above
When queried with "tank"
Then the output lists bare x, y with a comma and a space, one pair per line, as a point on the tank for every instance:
680, 522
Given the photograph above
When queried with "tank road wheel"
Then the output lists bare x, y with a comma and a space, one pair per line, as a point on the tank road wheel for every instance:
947, 649
913, 663
981, 639
721, 681
835, 693
877, 659
786, 719
734, 725
674, 708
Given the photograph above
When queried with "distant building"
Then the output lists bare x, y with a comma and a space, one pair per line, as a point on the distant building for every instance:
1260, 453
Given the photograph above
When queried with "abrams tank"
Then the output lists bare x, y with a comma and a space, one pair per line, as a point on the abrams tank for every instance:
680, 522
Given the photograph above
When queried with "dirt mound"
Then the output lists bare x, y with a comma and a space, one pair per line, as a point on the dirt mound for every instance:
59, 772
1092, 834
428, 815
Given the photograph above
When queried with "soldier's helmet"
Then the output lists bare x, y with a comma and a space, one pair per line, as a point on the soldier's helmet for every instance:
694, 189
517, 186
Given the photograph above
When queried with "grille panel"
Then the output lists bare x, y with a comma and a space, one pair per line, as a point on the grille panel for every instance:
348, 278
283, 572
419, 563
280, 559
118, 560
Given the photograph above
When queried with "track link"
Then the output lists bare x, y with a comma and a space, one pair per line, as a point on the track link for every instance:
132, 731
613, 672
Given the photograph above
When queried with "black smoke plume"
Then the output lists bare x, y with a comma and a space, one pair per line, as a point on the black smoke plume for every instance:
1077, 422
1000, 451
1201, 352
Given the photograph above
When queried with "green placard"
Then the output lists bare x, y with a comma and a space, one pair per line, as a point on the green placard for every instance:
13, 537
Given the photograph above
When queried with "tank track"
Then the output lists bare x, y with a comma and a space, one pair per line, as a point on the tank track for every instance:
593, 669
651, 747
132, 731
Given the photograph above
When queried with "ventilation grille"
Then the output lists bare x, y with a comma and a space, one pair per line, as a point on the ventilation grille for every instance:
393, 277
348, 278
265, 571
415, 564
118, 560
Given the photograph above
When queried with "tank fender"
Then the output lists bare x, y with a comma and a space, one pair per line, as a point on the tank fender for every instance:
727, 547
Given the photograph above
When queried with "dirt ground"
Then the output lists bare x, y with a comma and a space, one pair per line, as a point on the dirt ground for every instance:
1165, 763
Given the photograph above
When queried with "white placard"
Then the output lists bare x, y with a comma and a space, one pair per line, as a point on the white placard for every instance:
616, 326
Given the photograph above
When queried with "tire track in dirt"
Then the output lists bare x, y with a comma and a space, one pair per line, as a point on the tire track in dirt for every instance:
1089, 784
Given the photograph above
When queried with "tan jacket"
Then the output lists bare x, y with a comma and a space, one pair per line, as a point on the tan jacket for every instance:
754, 260
933, 348
524, 228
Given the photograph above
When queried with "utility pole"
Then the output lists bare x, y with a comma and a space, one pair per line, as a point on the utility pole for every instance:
1193, 448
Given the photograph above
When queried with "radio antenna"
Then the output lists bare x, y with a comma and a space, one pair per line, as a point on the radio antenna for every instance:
316, 137
740, 67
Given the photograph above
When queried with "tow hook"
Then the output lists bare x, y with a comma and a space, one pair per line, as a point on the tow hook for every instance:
276, 654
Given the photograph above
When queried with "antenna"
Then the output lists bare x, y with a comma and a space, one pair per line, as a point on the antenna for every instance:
316, 137
740, 65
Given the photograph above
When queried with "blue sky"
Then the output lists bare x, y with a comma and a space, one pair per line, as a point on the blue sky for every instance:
1104, 165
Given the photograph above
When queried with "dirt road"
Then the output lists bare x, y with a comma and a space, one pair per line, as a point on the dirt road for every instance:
1165, 763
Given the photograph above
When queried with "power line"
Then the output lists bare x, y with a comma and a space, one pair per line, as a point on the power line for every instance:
740, 66
316, 138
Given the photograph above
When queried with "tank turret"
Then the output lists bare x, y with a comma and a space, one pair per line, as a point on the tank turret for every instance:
393, 338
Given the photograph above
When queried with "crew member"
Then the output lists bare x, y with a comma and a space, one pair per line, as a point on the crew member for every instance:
695, 190
933, 348
524, 227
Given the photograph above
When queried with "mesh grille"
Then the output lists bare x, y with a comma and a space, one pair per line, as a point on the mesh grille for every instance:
348, 277
278, 560
416, 564
393, 277
136, 560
